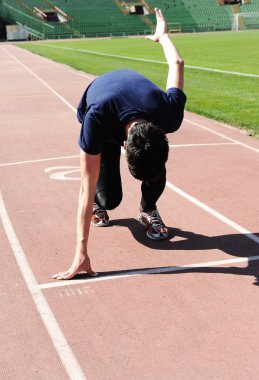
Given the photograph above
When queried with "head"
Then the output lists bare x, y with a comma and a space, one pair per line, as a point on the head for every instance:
146, 151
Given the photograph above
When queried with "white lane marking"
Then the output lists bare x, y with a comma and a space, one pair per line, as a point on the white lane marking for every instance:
205, 144
77, 156
63, 175
213, 212
59, 341
220, 134
91, 77
42, 81
65, 67
39, 160
149, 60
141, 272
222, 71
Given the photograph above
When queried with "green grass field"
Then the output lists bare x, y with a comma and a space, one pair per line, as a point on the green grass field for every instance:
230, 98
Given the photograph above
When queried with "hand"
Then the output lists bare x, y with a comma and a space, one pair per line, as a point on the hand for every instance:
161, 28
81, 263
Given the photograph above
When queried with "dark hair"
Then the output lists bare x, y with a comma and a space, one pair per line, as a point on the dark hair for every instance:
146, 151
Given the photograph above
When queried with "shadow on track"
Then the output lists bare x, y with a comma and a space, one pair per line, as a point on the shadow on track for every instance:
237, 245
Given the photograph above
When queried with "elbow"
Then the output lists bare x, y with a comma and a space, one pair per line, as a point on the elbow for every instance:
180, 62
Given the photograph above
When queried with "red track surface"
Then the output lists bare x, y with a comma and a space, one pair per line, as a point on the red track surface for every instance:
145, 316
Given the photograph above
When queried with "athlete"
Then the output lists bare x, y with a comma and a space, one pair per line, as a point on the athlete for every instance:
120, 108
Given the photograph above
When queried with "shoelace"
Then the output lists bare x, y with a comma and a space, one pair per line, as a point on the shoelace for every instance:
99, 211
154, 218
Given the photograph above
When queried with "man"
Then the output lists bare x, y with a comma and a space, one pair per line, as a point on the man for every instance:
125, 107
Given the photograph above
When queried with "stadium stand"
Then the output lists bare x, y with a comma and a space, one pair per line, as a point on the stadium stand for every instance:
72, 19
251, 18
197, 15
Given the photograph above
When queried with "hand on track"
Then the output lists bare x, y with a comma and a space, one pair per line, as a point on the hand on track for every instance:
81, 263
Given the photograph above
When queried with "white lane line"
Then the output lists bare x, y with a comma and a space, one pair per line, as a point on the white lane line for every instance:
41, 80
59, 64
59, 341
214, 213
77, 156
211, 211
39, 160
141, 272
172, 187
148, 60
220, 134
206, 144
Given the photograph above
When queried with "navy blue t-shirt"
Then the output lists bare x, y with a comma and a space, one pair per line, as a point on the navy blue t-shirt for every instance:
119, 96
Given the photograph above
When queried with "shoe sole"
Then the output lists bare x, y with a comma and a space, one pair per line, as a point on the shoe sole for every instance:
100, 224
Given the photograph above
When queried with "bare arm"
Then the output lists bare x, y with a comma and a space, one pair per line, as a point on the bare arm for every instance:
175, 62
90, 168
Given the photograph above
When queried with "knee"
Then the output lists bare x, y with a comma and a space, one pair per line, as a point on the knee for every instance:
108, 202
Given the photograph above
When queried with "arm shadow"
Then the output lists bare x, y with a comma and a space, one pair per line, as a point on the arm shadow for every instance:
238, 245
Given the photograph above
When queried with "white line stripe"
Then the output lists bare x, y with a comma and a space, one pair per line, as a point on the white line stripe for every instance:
58, 284
149, 60
207, 144
66, 67
222, 71
35, 161
220, 134
42, 81
62, 347
213, 212
141, 272
77, 156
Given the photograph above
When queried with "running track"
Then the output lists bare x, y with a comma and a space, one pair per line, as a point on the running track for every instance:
186, 308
